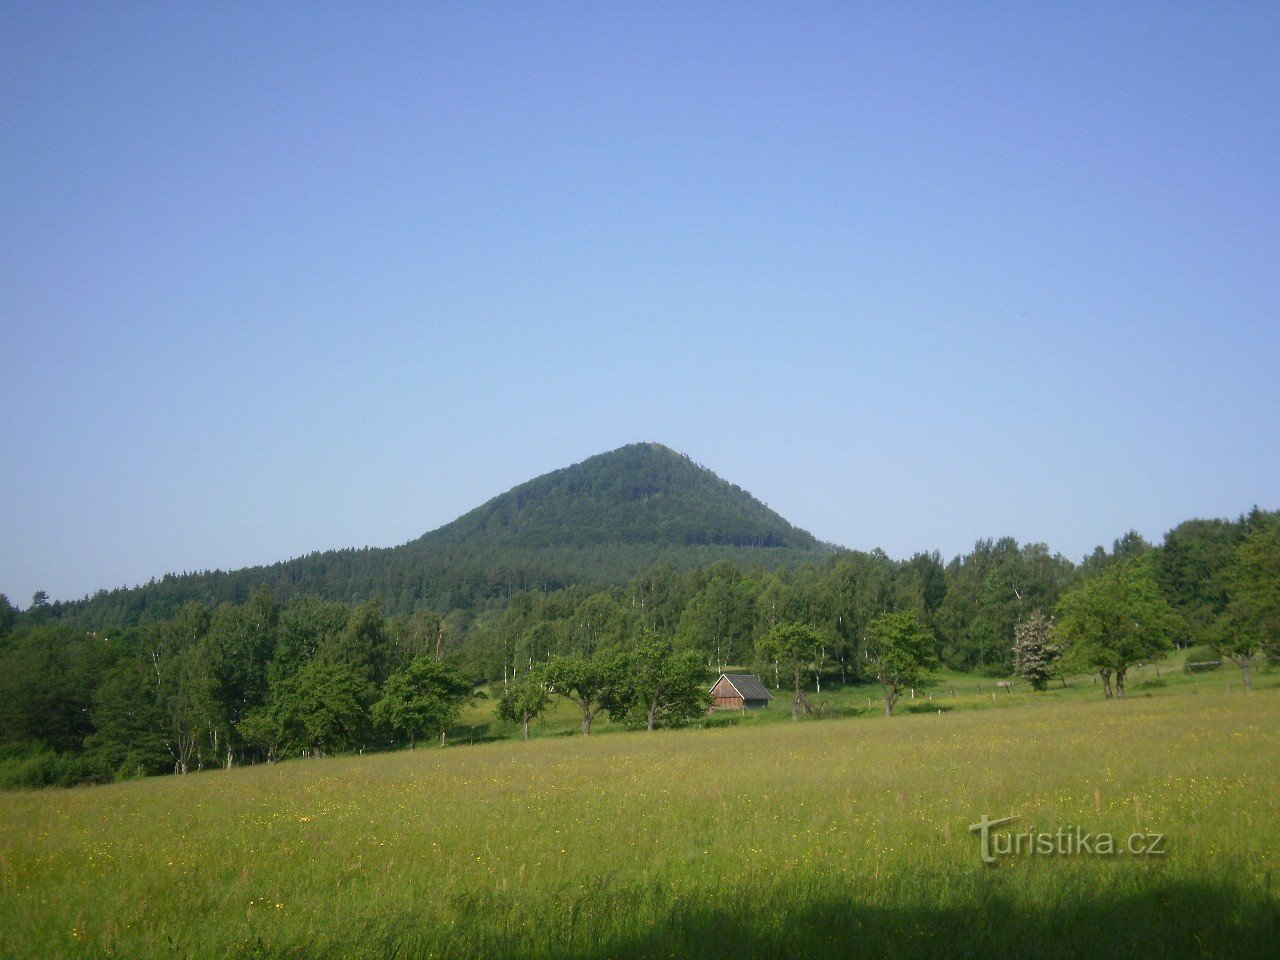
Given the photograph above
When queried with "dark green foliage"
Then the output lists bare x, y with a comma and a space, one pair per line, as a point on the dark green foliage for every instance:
598, 524
306, 625
325, 706
241, 640
423, 699
990, 591
364, 644
47, 678
129, 722
32, 765
251, 679
8, 615
1191, 567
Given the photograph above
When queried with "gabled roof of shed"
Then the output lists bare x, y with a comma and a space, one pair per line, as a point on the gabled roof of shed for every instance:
748, 686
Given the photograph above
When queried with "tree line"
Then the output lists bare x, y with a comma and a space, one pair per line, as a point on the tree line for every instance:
258, 680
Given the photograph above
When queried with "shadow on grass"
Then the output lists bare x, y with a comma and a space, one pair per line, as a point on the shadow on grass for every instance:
474, 733
929, 706
1168, 921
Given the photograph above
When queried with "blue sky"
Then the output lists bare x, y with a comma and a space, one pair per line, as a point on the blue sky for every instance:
277, 278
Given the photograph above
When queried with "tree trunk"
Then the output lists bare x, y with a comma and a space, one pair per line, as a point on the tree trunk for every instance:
526, 724
795, 704
1106, 683
1246, 669
442, 738
653, 713
1120, 683
587, 717
888, 703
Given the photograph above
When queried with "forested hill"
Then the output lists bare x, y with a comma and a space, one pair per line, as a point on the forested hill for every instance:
642, 493
597, 523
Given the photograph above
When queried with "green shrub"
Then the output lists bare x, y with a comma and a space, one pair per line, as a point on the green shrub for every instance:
36, 765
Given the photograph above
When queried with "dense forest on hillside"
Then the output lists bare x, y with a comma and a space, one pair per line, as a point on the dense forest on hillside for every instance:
596, 524
208, 685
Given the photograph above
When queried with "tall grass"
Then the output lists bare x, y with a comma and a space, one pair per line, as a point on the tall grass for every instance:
837, 839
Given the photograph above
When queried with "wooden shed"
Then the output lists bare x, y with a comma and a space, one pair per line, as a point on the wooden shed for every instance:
739, 691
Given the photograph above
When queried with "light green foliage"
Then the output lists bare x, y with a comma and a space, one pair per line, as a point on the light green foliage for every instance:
265, 728
1255, 581
524, 701
594, 684
792, 648
901, 652
718, 619
423, 699
660, 686
1115, 620
216, 674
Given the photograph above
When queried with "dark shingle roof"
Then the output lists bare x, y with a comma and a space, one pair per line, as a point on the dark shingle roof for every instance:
748, 686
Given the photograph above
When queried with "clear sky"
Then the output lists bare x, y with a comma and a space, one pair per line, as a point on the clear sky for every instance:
284, 277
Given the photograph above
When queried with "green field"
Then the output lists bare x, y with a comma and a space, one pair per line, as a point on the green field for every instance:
824, 838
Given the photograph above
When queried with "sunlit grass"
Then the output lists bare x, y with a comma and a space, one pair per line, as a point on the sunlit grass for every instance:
840, 838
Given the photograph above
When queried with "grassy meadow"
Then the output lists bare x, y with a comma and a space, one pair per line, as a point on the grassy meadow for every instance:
824, 838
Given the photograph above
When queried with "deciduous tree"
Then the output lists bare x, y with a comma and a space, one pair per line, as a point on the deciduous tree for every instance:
662, 686
794, 647
1035, 655
325, 706
591, 683
425, 697
1116, 619
901, 654
525, 700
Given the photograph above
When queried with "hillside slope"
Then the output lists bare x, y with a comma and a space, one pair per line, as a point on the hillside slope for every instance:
596, 523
